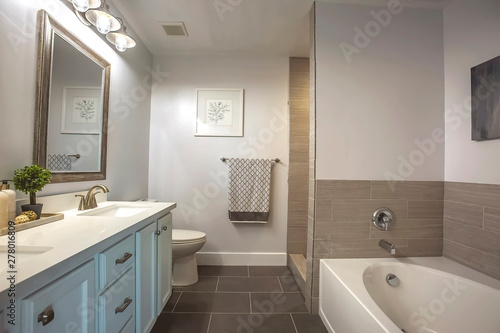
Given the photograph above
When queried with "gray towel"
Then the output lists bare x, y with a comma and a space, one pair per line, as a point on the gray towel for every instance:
249, 189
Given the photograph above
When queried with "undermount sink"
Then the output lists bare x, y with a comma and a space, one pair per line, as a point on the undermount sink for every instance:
116, 211
23, 252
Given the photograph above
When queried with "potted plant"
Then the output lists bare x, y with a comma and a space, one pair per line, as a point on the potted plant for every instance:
30, 180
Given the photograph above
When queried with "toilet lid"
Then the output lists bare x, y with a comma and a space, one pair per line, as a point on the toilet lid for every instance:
181, 235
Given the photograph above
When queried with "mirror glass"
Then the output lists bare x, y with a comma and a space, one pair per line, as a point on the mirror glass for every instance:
72, 106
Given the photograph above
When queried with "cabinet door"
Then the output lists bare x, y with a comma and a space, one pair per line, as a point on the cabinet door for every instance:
62, 306
164, 262
146, 248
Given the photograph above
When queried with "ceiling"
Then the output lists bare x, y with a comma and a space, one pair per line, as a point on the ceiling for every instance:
230, 27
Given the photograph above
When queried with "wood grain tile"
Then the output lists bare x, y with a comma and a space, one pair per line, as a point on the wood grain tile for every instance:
343, 189
475, 194
297, 234
362, 210
471, 215
492, 219
425, 247
341, 230
467, 255
365, 248
411, 190
425, 209
479, 239
323, 209
491, 265
422, 228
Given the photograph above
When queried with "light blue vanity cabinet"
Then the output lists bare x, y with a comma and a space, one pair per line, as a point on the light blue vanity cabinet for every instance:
116, 301
153, 271
63, 305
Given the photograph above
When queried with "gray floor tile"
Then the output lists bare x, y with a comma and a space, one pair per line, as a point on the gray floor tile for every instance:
203, 284
222, 271
249, 284
171, 301
307, 323
214, 302
181, 323
278, 303
269, 271
254, 323
289, 285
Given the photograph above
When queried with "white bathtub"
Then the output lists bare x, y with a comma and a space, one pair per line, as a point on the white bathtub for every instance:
434, 295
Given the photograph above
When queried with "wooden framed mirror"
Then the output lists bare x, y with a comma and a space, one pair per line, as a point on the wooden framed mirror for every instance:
72, 102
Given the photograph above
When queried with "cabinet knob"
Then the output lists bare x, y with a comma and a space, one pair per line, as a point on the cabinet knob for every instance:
164, 228
46, 316
125, 257
157, 232
124, 306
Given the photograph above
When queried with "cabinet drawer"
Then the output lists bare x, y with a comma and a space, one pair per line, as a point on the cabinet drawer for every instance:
115, 260
130, 326
117, 304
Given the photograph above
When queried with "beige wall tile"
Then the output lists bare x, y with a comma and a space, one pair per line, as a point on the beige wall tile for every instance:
491, 266
297, 234
425, 209
323, 209
343, 189
322, 247
296, 248
310, 247
411, 190
362, 210
365, 248
474, 194
479, 239
327, 229
425, 247
464, 254
463, 213
492, 219
423, 228
297, 220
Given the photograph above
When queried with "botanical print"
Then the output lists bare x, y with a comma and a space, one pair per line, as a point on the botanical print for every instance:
219, 112
84, 110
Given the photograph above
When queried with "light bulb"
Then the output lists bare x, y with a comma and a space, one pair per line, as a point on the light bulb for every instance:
81, 5
103, 23
121, 43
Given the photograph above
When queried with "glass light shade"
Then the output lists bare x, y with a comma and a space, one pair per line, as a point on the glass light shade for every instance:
103, 23
102, 19
121, 39
81, 5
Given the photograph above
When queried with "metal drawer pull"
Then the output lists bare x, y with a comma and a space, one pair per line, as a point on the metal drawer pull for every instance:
164, 228
124, 306
157, 232
46, 316
126, 257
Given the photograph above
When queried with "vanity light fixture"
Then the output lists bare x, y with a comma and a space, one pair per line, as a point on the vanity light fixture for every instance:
84, 5
120, 38
102, 19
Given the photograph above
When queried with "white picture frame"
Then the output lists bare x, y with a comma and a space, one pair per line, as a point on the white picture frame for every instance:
81, 110
219, 112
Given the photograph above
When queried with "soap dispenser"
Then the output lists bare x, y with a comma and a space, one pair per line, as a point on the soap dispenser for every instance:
12, 199
4, 210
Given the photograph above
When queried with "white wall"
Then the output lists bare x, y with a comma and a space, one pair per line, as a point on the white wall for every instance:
471, 37
388, 92
187, 169
129, 117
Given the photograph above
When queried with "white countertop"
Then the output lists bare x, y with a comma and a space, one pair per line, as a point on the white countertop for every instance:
69, 237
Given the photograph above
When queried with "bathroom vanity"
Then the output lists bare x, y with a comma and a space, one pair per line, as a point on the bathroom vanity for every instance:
106, 269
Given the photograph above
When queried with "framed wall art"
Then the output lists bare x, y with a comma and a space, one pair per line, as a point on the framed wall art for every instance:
80, 112
219, 112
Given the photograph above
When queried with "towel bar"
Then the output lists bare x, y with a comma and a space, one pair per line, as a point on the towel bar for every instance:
277, 160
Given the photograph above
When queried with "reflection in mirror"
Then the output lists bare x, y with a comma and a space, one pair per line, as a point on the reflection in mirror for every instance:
71, 107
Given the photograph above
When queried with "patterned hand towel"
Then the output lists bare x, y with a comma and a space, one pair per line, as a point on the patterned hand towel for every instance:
249, 189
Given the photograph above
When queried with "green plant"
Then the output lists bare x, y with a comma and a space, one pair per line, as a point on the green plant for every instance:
31, 179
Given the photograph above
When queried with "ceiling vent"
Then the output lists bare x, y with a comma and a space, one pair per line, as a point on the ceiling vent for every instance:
174, 28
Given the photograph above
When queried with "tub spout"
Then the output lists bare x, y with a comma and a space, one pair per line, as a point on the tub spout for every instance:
389, 247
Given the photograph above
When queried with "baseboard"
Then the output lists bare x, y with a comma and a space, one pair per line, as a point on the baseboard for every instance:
241, 259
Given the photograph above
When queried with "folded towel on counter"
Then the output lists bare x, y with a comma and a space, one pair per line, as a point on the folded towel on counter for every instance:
249, 189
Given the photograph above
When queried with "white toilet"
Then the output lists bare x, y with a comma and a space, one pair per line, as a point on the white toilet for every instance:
185, 244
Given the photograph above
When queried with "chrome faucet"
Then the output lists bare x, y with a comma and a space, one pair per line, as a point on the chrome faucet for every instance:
88, 201
388, 246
